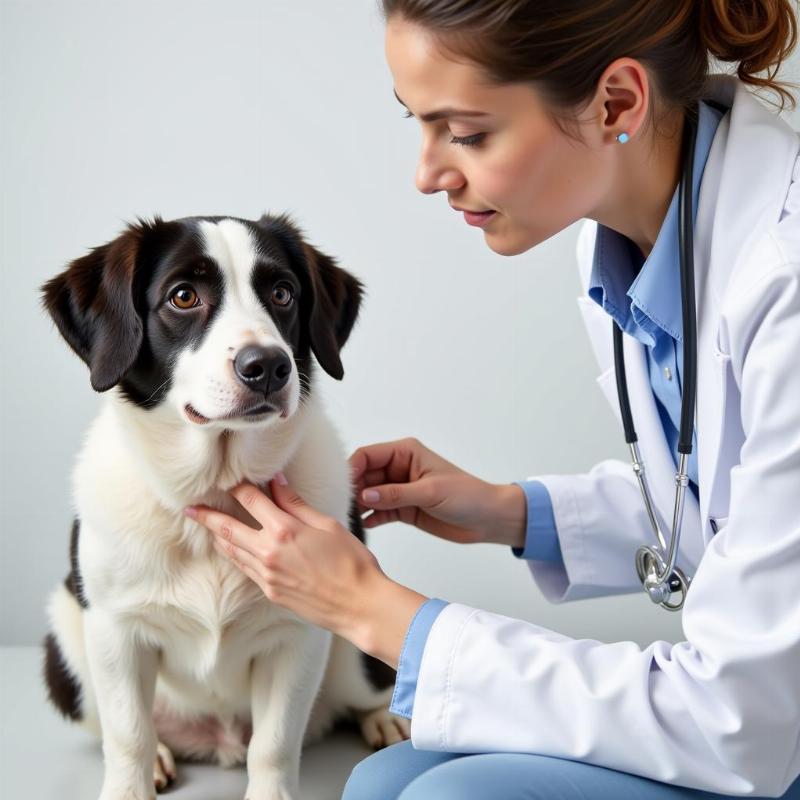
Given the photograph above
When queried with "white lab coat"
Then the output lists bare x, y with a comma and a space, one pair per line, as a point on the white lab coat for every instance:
721, 710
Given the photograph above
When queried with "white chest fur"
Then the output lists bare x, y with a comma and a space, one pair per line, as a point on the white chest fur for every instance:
156, 571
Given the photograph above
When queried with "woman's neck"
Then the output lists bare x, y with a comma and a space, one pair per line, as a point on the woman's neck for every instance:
647, 173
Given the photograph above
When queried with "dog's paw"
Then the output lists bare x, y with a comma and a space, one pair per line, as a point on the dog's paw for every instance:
381, 728
164, 771
269, 788
126, 793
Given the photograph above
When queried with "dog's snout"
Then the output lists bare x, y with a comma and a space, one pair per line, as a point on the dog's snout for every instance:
262, 369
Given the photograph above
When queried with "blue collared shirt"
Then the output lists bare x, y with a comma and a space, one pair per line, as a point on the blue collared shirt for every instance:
643, 295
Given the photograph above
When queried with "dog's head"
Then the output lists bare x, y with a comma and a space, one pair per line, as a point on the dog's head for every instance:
217, 316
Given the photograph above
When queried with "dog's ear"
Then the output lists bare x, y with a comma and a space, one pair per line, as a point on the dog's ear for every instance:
336, 294
336, 301
92, 305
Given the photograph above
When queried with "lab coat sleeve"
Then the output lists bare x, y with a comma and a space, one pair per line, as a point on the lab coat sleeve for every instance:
601, 520
719, 711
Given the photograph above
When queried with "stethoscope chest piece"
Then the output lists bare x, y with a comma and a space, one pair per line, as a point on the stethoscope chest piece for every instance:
649, 563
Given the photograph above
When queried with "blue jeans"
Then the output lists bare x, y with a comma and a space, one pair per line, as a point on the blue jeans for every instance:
399, 772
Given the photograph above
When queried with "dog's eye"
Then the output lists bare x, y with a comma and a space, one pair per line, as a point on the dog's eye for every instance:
282, 294
184, 297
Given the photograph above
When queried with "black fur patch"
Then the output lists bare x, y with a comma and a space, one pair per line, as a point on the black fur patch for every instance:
379, 674
356, 528
63, 688
74, 581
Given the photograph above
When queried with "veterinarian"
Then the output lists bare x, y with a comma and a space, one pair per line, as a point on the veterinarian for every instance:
535, 115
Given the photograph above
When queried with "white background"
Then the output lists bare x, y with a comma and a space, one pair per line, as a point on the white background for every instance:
112, 110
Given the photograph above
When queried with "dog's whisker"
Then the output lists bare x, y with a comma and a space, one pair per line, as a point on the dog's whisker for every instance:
157, 390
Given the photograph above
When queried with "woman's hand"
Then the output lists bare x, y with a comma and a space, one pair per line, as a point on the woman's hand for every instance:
307, 562
419, 487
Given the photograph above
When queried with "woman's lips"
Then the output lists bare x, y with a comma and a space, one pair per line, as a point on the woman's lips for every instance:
478, 218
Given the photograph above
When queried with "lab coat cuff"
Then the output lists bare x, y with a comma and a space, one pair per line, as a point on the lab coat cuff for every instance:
411, 655
594, 565
442, 696
541, 535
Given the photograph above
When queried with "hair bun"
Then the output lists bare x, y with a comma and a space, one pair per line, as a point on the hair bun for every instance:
758, 34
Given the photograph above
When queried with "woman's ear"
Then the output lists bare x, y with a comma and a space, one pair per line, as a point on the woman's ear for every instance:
92, 305
335, 304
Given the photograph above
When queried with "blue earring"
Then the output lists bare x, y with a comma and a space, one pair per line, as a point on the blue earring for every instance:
622, 137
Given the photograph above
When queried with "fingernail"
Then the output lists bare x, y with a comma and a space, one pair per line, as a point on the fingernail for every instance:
190, 511
281, 478
371, 495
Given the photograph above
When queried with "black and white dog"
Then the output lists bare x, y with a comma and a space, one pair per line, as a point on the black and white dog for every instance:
201, 332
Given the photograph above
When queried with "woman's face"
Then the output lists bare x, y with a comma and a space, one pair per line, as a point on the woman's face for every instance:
507, 156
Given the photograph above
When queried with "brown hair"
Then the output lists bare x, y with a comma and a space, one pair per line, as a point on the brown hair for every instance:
563, 46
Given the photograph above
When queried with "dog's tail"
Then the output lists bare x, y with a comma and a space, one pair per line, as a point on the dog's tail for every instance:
65, 667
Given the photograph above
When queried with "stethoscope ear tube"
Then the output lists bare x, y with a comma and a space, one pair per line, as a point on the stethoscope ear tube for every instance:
622, 387
686, 242
657, 569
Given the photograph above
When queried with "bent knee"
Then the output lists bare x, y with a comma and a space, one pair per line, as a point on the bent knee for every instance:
384, 775
373, 777
361, 784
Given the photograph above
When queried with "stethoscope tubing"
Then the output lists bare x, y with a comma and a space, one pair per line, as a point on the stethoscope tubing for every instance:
656, 568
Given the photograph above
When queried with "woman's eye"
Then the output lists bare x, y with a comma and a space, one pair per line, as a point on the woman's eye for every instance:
184, 297
282, 294
468, 141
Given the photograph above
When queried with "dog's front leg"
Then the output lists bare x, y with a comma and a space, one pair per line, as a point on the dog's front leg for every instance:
123, 671
285, 682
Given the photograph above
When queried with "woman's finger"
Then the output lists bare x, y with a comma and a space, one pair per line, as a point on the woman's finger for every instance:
296, 507
374, 477
239, 555
259, 506
227, 528
249, 565
380, 456
417, 494
358, 462
380, 518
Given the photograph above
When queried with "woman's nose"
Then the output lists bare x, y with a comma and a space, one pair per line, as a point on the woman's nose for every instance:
435, 177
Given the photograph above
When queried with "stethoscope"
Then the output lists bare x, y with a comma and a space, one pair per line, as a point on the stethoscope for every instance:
654, 565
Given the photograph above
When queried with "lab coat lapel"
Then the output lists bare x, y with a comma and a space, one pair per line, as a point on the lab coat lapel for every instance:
709, 263
740, 197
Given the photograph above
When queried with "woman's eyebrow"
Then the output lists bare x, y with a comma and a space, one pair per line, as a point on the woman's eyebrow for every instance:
443, 113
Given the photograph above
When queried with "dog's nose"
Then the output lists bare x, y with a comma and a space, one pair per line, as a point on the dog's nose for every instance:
262, 369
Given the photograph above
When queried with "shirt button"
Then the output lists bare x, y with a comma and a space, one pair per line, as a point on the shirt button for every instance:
667, 374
